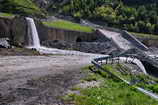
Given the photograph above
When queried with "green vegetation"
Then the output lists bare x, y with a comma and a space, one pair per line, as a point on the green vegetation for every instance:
22, 7
7, 15
141, 80
68, 25
140, 16
115, 69
110, 92
142, 35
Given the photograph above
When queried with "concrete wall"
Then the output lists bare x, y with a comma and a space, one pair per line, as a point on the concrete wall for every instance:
134, 40
49, 33
14, 29
129, 37
5, 27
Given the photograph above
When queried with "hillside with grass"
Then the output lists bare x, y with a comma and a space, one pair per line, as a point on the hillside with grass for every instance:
21, 7
68, 25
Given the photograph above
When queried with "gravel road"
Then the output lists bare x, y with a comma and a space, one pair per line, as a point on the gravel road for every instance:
38, 80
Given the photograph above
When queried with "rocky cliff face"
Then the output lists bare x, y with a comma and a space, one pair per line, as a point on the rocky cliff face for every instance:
14, 29
5, 27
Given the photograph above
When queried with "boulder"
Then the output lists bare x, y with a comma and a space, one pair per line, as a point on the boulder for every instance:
4, 43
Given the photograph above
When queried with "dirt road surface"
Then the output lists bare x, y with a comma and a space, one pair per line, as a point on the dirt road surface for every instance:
38, 80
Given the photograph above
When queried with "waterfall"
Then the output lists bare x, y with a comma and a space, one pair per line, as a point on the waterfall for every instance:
34, 42
33, 38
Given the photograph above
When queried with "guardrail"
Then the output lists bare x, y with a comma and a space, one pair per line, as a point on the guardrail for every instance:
97, 62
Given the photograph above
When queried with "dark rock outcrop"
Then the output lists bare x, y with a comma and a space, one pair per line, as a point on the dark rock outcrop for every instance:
5, 27
19, 31
14, 29
88, 47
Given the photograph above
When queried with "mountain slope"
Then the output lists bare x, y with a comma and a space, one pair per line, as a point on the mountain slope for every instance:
22, 7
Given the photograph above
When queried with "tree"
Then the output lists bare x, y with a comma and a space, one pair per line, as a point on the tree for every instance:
107, 13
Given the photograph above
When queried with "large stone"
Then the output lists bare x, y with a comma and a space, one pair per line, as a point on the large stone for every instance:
4, 43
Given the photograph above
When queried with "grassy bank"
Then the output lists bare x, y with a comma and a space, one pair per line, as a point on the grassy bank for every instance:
142, 35
145, 81
68, 25
6, 15
111, 92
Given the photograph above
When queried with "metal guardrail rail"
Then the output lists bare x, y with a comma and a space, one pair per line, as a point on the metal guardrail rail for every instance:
97, 62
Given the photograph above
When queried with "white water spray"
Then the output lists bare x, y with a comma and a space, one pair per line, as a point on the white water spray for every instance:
34, 41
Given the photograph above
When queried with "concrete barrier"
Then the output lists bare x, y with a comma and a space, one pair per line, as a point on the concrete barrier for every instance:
134, 40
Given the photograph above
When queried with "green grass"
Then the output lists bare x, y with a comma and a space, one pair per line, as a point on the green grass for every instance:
68, 25
142, 35
144, 80
23, 7
111, 92
8, 15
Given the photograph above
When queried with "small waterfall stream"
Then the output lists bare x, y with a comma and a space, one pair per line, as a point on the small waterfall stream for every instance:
33, 40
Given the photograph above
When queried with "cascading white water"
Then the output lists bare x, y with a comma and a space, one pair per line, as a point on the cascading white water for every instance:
34, 41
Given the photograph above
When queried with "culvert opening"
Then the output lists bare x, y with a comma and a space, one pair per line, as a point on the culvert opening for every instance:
78, 40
